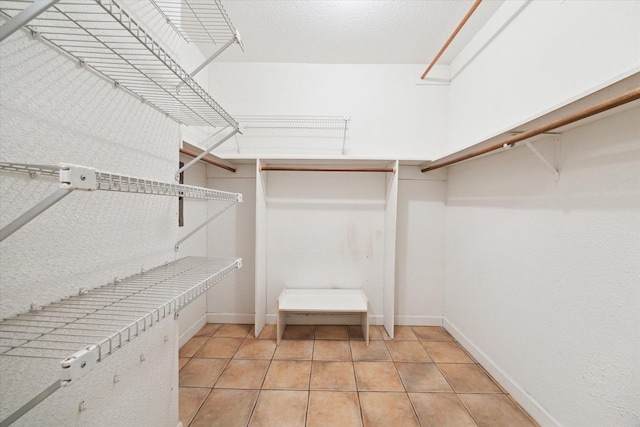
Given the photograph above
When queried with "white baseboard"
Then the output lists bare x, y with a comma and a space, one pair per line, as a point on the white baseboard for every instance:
239, 318
193, 329
528, 402
408, 320
324, 319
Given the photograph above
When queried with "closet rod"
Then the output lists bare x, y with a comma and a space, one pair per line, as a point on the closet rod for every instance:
601, 107
453, 35
193, 154
323, 169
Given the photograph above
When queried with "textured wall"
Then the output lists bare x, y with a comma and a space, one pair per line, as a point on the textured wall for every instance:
534, 56
542, 276
53, 111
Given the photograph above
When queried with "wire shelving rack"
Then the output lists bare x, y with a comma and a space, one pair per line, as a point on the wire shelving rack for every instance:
101, 35
82, 330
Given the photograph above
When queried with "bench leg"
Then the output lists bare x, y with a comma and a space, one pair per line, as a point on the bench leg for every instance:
281, 324
364, 321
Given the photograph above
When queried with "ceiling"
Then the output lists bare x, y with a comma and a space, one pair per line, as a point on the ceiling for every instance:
351, 32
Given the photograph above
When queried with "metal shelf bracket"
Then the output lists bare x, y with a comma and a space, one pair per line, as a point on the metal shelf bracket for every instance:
204, 153
204, 224
235, 39
544, 161
23, 18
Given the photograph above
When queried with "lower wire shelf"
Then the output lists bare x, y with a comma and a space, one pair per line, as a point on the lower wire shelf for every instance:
68, 338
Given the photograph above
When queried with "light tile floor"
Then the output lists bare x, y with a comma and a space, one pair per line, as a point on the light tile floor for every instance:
327, 376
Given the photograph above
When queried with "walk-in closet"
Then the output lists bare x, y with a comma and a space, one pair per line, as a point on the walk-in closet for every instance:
319, 213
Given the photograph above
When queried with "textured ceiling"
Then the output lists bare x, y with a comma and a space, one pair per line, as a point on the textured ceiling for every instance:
351, 32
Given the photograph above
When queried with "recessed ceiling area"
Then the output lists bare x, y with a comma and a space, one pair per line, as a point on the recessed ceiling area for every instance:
351, 32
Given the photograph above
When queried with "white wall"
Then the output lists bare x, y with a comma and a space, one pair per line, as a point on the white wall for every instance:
53, 111
325, 230
419, 284
233, 234
392, 117
534, 56
542, 276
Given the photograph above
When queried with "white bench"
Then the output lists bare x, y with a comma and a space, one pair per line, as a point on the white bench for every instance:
322, 301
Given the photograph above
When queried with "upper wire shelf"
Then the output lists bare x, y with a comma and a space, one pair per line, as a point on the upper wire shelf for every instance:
198, 21
78, 332
101, 35
339, 123
70, 177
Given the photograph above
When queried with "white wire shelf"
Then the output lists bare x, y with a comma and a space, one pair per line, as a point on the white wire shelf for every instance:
70, 177
338, 123
74, 177
198, 21
81, 331
294, 133
101, 35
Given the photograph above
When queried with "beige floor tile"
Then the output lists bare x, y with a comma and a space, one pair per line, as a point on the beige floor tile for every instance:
233, 330
202, 372
376, 351
189, 401
377, 376
447, 352
407, 351
431, 333
269, 332
422, 377
387, 409
294, 350
245, 374
401, 333
441, 410
338, 376
288, 375
208, 329
355, 332
182, 361
192, 346
468, 378
299, 332
253, 348
332, 350
222, 348
332, 332
280, 408
226, 408
333, 408
495, 410
375, 332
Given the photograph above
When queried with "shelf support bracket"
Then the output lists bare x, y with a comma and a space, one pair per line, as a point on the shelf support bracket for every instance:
23, 18
204, 153
236, 38
344, 135
544, 161
26, 217
198, 228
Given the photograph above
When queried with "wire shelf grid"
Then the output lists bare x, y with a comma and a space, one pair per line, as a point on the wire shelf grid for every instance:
198, 21
103, 36
108, 317
127, 184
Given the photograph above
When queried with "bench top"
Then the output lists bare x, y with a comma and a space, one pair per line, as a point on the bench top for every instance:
327, 300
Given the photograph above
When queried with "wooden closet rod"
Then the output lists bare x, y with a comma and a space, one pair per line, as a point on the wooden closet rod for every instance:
193, 154
453, 36
323, 169
625, 98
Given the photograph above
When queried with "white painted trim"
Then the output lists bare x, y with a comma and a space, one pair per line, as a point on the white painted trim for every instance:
535, 409
193, 329
325, 319
417, 320
238, 318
